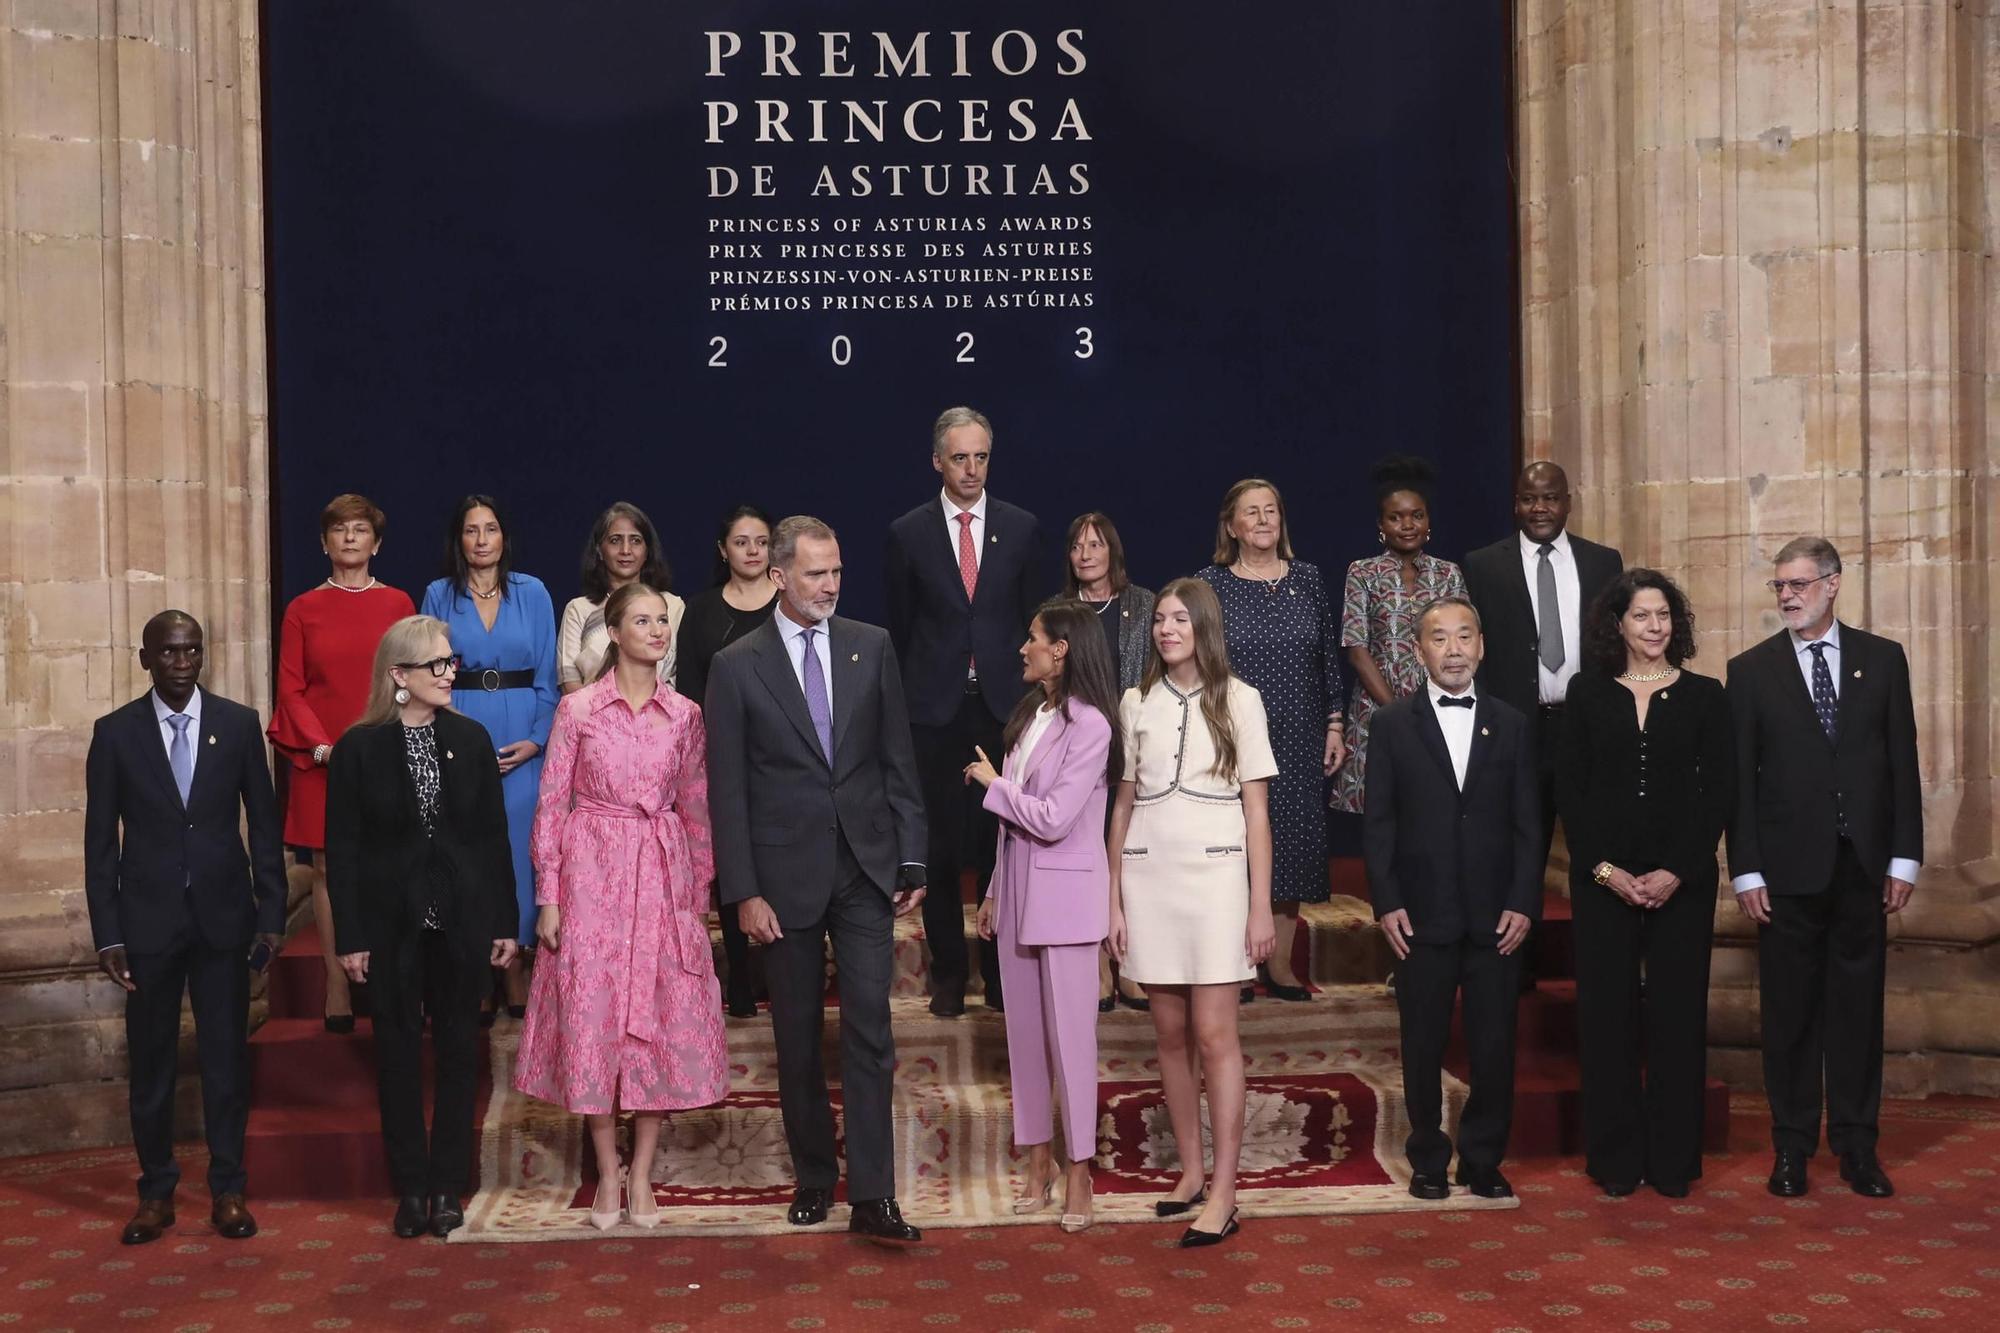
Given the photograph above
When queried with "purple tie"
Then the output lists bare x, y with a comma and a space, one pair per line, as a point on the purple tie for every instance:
816, 704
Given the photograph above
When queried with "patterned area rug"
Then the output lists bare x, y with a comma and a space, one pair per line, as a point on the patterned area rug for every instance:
1324, 1132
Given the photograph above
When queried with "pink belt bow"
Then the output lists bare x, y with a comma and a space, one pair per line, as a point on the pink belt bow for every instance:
657, 921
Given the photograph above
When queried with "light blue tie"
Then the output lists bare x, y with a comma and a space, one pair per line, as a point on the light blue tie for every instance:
816, 701
180, 756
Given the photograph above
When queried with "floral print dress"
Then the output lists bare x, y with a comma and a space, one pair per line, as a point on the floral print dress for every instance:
1380, 612
625, 1013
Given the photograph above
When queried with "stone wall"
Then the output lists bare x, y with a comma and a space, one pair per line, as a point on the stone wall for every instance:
132, 429
1756, 246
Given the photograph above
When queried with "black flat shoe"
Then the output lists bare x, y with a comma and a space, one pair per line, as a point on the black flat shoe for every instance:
517, 1011
447, 1214
1249, 994
1194, 1238
1430, 1185
413, 1216
882, 1221
1281, 992
1139, 1002
1106, 1003
742, 1002
809, 1206
340, 1024
1176, 1207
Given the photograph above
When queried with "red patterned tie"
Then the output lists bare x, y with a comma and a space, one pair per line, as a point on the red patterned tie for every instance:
968, 558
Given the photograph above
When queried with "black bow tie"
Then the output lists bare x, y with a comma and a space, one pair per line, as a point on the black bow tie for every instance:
1455, 701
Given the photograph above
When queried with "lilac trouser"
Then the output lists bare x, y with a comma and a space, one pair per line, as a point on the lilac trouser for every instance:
1051, 994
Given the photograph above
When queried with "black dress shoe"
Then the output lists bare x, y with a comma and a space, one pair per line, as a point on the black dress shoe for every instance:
340, 1024
1429, 1185
1671, 1189
742, 1000
808, 1206
147, 1224
946, 1006
1485, 1181
1194, 1238
1861, 1171
447, 1214
1618, 1189
1788, 1174
881, 1220
1175, 1207
413, 1216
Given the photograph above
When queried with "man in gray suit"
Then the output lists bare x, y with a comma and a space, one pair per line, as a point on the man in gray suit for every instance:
819, 830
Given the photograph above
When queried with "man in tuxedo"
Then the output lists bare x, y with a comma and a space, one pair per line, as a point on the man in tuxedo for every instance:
175, 902
1532, 591
1824, 847
1450, 837
819, 830
965, 576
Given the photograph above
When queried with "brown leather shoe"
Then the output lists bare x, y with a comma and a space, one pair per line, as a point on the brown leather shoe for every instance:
153, 1218
232, 1218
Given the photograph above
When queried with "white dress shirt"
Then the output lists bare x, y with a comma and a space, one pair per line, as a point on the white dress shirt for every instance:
1024, 748
1552, 687
978, 512
161, 712
1456, 723
1900, 867
794, 635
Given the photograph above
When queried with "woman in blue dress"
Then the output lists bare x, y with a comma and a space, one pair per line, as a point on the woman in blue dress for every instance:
504, 628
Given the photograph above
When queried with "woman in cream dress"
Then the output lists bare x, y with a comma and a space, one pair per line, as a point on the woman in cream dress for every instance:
624, 548
1191, 882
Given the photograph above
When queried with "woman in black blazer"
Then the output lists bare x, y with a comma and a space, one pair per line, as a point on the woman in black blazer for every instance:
1645, 780
421, 878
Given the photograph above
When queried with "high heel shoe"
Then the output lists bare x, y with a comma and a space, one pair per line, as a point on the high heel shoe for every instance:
1106, 1003
1034, 1203
1176, 1207
648, 1219
1194, 1238
1073, 1223
606, 1220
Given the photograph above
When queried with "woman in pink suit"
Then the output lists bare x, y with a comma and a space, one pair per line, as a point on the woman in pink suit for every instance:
625, 1013
1049, 903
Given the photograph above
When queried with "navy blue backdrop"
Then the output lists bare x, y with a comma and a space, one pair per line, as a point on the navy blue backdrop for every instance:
487, 271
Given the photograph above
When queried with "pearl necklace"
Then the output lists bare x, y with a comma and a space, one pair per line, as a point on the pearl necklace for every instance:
1270, 584
344, 588
1647, 678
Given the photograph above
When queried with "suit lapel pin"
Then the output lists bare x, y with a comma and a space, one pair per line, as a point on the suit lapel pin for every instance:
449, 755
993, 538
211, 739
854, 657
1857, 675
1484, 732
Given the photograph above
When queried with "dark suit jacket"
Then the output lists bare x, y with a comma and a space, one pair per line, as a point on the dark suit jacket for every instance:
174, 865
1792, 785
1499, 588
382, 870
777, 807
1453, 860
935, 629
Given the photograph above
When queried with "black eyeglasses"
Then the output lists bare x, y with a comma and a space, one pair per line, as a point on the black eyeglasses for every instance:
1797, 587
439, 666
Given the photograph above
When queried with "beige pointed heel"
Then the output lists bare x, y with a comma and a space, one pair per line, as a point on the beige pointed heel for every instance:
642, 1189
604, 1221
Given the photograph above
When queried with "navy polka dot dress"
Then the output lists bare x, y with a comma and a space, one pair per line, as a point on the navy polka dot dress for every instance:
1284, 639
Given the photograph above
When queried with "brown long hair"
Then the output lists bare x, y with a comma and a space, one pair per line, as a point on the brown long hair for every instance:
1211, 660
615, 608
1086, 676
1226, 546
1114, 552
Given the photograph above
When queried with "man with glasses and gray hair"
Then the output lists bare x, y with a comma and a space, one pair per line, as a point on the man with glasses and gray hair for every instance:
1824, 847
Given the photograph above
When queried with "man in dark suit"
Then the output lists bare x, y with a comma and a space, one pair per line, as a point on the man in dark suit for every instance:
965, 576
1534, 641
819, 830
1450, 839
175, 902
1825, 845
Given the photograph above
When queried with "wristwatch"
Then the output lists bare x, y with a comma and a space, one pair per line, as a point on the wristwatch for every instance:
1603, 873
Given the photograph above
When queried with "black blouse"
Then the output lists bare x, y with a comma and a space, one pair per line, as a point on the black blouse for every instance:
709, 625
1656, 797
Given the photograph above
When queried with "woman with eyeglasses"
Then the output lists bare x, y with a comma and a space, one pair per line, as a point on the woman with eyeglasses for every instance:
505, 627
421, 880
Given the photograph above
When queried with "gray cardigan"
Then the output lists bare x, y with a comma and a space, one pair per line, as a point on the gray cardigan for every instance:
1135, 634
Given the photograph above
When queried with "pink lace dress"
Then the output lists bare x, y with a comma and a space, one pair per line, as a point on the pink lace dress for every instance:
625, 1014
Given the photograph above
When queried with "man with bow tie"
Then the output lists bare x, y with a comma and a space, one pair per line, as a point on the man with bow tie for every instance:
175, 903
1824, 848
1452, 839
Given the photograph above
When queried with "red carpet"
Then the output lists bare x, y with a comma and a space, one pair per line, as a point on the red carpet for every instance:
1729, 1257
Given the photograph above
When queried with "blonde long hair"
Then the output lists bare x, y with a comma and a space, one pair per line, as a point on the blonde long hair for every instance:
615, 607
1211, 661
405, 641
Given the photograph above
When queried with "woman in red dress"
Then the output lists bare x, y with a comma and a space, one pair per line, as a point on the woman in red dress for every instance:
326, 652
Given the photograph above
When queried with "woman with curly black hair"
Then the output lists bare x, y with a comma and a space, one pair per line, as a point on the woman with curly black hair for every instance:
1644, 780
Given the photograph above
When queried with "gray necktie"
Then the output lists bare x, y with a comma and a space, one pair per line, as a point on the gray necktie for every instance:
180, 756
816, 701
1549, 612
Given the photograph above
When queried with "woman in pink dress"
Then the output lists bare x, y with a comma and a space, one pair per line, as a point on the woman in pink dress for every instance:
629, 1017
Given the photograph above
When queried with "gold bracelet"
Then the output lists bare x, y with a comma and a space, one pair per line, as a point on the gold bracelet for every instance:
1602, 874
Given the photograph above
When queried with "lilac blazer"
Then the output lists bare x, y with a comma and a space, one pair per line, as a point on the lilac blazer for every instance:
1051, 867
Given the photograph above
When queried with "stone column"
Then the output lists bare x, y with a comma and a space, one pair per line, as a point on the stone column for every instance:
1756, 240
132, 427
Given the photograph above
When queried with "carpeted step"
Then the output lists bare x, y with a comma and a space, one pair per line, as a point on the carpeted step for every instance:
296, 982
295, 1152
297, 1063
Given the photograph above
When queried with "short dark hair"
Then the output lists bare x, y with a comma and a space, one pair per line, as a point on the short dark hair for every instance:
729, 522
455, 568
654, 573
342, 508
1114, 551
1604, 646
